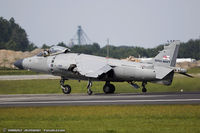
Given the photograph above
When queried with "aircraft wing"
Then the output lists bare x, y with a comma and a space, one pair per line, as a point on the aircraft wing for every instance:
91, 66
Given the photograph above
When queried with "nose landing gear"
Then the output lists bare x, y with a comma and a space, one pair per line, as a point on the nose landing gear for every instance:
66, 89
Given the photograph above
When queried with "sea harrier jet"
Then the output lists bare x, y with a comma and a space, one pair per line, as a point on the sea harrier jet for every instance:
60, 61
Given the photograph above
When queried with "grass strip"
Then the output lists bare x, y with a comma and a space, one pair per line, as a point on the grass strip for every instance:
45, 86
105, 119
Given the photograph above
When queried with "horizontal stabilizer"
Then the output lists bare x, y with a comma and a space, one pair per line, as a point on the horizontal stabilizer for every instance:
161, 72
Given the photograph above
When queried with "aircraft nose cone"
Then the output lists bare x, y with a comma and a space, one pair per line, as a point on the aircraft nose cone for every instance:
18, 64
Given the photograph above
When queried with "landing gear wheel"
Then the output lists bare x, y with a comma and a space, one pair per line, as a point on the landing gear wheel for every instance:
109, 88
66, 89
112, 90
106, 89
89, 92
143, 85
144, 90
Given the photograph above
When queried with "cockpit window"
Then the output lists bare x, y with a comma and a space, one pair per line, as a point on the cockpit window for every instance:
53, 51
56, 49
44, 53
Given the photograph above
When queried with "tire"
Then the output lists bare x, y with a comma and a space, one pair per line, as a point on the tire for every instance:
109, 88
66, 89
144, 90
89, 92
106, 89
112, 88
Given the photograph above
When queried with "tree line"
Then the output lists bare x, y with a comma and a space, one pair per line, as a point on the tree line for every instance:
13, 37
190, 49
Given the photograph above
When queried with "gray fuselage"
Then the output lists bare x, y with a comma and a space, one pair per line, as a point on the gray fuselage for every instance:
65, 65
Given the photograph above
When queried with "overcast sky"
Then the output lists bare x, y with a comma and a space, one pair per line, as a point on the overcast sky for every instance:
145, 23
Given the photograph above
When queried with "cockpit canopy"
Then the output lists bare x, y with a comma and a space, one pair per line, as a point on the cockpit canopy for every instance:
54, 51
58, 49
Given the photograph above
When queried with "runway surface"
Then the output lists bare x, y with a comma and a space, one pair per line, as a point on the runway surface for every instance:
98, 99
28, 77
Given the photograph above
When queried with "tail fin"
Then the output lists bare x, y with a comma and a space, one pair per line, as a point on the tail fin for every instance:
167, 57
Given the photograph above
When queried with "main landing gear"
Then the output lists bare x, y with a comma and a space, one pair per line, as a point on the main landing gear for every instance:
108, 88
65, 88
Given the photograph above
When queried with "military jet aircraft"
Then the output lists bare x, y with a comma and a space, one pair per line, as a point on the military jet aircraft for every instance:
60, 61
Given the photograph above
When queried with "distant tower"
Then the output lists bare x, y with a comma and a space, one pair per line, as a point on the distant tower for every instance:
79, 35
80, 38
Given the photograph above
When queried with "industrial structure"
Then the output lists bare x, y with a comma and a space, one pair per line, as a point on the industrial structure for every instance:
80, 38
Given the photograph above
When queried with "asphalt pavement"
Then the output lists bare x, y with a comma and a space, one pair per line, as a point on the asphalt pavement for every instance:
28, 77
98, 99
